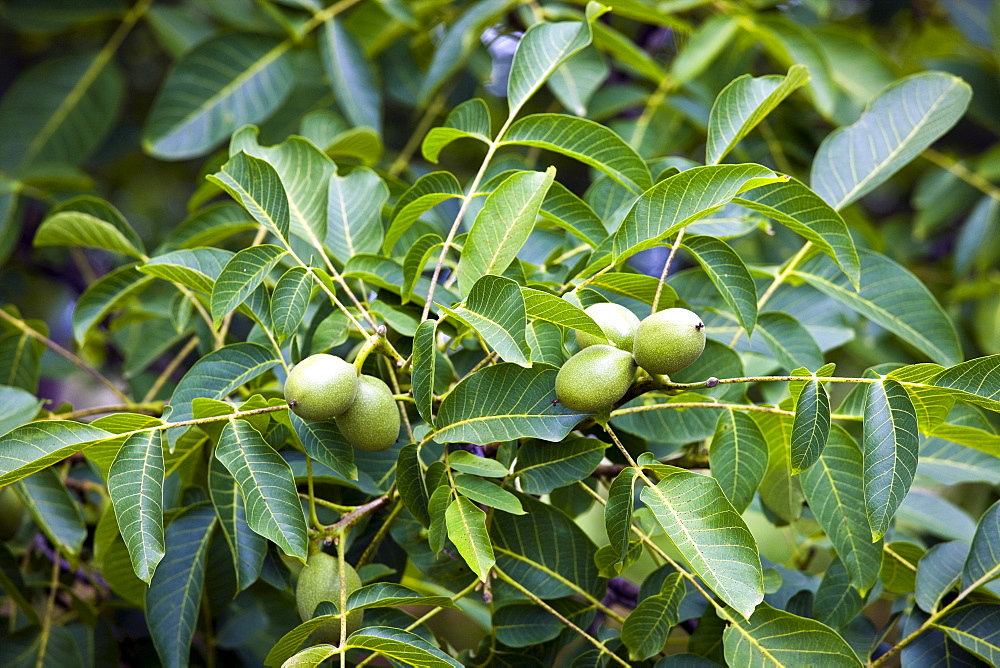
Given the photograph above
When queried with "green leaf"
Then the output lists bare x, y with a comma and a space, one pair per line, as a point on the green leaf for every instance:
322, 440
811, 426
103, 296
636, 286
618, 511
495, 309
791, 344
983, 564
403, 646
304, 172
17, 407
427, 246
899, 566
545, 47
681, 199
265, 479
386, 273
471, 120
729, 275
837, 601
546, 552
79, 228
310, 657
561, 207
777, 638
504, 402
255, 184
422, 371
898, 125
135, 485
354, 214
174, 595
388, 595
542, 466
645, 629
208, 226
525, 624
976, 381
543, 306
20, 357
215, 376
197, 268
591, 143
37, 445
352, 76
59, 111
938, 572
247, 547
546, 343
54, 510
908, 310
976, 628
804, 212
486, 493
241, 276
780, 491
738, 457
576, 81
427, 192
410, 483
833, 488
220, 85
290, 300
502, 227
466, 462
467, 530
743, 104
710, 534
437, 507
890, 458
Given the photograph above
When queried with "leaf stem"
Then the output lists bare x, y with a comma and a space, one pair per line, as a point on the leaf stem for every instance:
55, 347
153, 408
666, 268
466, 200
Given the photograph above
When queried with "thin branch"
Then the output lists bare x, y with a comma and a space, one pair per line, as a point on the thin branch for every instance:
778, 280
154, 409
55, 347
171, 368
552, 611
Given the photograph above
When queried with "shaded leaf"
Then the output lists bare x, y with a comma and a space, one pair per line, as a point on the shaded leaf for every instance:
902, 121
55, 511
983, 564
503, 402
738, 457
247, 547
729, 275
542, 466
265, 480
354, 213
774, 637
890, 453
220, 85
135, 485
811, 425
710, 534
174, 594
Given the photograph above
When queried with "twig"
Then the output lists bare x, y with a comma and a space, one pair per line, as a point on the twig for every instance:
52, 345
666, 268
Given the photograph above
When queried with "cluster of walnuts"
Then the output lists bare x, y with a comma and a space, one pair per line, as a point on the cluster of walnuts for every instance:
322, 387
604, 369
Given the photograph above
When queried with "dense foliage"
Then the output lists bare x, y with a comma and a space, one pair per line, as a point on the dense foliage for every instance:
197, 196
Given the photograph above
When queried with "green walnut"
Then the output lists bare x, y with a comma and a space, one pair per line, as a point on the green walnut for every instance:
669, 341
372, 421
320, 580
617, 322
595, 378
321, 387
11, 513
